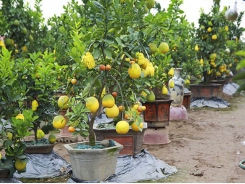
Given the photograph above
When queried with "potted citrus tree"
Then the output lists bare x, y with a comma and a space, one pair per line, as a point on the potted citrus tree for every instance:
108, 79
211, 39
39, 85
13, 125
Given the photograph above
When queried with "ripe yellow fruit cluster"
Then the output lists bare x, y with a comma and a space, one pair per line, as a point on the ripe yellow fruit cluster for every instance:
88, 60
145, 65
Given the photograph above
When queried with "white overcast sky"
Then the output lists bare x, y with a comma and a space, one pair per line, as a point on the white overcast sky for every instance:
190, 7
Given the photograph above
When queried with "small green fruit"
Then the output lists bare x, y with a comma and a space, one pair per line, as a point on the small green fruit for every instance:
151, 97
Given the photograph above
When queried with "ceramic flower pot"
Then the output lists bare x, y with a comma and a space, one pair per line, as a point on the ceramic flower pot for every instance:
93, 164
177, 92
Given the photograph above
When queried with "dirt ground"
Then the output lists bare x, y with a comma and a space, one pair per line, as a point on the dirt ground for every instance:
206, 148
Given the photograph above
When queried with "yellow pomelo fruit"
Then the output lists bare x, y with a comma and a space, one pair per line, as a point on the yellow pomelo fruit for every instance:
214, 37
144, 94
136, 128
146, 63
122, 127
134, 71
40, 134
151, 97
59, 122
226, 28
209, 29
153, 48
112, 112
63, 102
196, 48
187, 81
20, 116
164, 90
108, 101
9, 136
92, 104
24, 48
212, 56
171, 72
52, 138
201, 61
163, 47
34, 105
20, 165
171, 83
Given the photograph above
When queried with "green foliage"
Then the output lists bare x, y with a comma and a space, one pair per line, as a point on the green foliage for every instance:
23, 26
241, 75
214, 37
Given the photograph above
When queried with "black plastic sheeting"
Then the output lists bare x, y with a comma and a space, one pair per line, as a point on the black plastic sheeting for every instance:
213, 102
141, 167
44, 166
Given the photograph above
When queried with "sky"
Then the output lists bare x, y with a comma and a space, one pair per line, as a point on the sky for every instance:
190, 7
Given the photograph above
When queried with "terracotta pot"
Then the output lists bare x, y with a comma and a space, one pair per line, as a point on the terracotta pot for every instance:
4, 173
157, 113
221, 82
187, 100
204, 90
132, 141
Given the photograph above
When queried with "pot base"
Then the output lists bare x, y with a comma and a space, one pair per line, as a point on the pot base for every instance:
93, 164
178, 113
155, 136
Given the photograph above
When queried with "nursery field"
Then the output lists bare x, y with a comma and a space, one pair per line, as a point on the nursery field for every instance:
207, 148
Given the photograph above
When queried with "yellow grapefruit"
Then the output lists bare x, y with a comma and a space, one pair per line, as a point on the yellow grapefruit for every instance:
52, 138
134, 71
63, 102
163, 47
122, 127
108, 101
20, 165
136, 128
59, 122
92, 104
112, 112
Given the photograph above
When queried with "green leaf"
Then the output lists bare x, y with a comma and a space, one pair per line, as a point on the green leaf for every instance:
241, 64
239, 76
240, 53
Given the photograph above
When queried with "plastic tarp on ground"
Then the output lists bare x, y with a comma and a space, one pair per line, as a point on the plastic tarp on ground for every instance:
44, 166
141, 167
